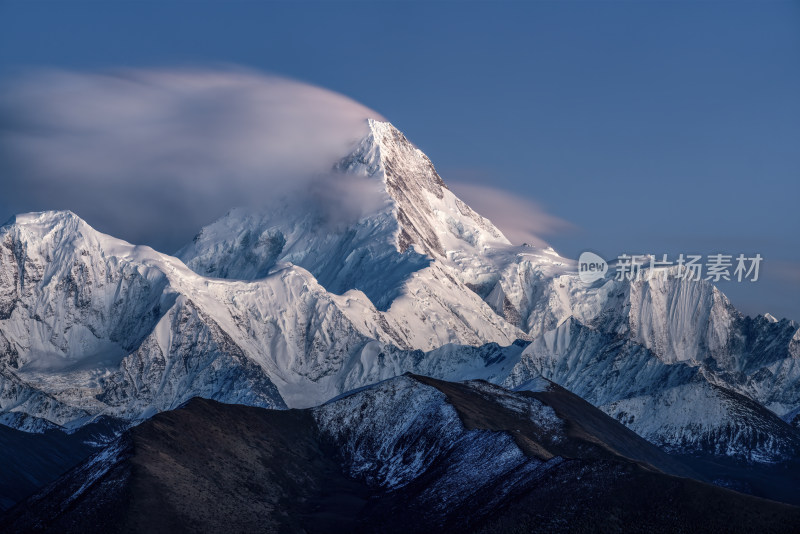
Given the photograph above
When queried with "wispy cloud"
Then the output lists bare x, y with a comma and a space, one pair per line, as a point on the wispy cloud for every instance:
521, 220
153, 155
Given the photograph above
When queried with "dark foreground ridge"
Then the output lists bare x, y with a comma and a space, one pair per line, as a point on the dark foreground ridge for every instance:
411, 454
33, 460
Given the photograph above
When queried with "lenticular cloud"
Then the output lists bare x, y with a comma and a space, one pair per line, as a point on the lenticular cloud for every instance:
521, 220
153, 155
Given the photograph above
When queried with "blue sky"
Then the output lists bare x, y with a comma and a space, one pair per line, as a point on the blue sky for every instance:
661, 127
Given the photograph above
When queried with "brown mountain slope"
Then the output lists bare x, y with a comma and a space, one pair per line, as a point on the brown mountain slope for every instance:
410, 454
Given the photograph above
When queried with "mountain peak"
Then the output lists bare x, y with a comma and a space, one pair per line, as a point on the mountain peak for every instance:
382, 127
63, 230
430, 216
45, 218
47, 228
418, 219
389, 139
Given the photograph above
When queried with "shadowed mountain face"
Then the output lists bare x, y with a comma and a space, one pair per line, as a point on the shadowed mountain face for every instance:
411, 454
32, 460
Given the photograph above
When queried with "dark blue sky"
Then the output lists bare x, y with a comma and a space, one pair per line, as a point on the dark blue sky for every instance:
661, 127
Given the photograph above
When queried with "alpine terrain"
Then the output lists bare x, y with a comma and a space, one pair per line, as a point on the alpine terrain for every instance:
323, 310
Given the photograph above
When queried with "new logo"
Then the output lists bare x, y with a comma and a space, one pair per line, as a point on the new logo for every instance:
591, 267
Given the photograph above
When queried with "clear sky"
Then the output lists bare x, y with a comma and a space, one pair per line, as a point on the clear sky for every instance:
661, 127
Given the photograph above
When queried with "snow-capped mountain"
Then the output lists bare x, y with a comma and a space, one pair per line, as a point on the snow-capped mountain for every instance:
93, 325
685, 328
654, 350
672, 405
398, 255
287, 306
